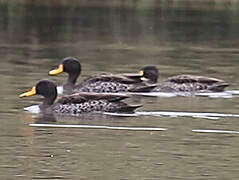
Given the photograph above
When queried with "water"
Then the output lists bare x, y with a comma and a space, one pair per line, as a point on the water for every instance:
200, 140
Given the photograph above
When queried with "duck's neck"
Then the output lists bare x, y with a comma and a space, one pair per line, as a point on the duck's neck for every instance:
68, 88
72, 79
70, 84
154, 80
48, 101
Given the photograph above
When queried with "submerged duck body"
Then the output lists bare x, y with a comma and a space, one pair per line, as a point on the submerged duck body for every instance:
183, 83
105, 82
78, 103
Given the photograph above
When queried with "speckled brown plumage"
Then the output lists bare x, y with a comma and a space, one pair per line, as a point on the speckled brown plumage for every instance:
80, 102
183, 83
104, 82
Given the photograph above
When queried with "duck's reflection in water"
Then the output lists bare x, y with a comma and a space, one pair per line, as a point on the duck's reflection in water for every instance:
86, 118
91, 121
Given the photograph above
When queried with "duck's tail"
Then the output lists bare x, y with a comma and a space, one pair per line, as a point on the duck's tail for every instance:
218, 87
128, 108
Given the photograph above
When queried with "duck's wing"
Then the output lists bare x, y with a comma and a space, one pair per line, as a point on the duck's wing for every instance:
136, 76
108, 77
84, 97
180, 79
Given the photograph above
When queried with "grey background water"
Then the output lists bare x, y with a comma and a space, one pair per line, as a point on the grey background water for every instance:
197, 37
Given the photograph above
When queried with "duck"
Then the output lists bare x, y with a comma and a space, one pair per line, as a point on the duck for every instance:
99, 83
183, 82
78, 103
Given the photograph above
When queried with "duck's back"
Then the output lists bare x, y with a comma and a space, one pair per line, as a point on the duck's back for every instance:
192, 83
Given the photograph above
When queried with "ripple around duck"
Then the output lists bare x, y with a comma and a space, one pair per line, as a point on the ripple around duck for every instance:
224, 94
99, 127
216, 131
33, 109
204, 115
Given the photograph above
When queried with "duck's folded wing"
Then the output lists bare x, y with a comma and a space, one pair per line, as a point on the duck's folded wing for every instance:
136, 76
193, 79
107, 77
84, 97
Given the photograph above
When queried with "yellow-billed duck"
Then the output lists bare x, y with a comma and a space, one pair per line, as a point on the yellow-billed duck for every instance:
105, 82
182, 83
78, 103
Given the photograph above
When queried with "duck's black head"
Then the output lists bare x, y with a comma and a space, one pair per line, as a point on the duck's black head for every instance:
150, 72
71, 66
45, 88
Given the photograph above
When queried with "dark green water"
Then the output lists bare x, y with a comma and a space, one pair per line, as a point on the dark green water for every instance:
196, 37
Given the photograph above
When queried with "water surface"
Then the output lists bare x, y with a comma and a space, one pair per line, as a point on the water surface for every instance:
196, 37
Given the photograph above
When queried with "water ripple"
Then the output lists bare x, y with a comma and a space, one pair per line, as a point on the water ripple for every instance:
224, 94
215, 131
100, 127
204, 115
188, 114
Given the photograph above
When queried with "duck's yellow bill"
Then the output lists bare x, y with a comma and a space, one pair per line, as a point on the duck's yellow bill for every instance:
32, 92
59, 70
141, 73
